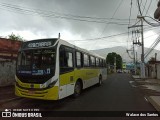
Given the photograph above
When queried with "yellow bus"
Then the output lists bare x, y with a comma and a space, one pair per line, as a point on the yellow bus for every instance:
52, 69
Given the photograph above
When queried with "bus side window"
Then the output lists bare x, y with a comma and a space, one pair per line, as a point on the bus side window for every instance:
86, 60
92, 59
97, 62
69, 59
100, 63
62, 57
104, 63
66, 60
78, 59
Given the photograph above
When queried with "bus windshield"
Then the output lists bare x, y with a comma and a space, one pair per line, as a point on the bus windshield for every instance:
37, 62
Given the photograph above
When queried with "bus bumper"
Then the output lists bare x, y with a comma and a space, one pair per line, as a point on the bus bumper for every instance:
47, 94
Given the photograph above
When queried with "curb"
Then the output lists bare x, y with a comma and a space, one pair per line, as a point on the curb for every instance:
154, 101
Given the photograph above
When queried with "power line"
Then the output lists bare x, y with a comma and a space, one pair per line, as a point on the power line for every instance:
130, 13
61, 15
53, 14
153, 46
148, 7
101, 22
110, 36
129, 21
64, 14
139, 7
112, 17
102, 37
144, 6
152, 24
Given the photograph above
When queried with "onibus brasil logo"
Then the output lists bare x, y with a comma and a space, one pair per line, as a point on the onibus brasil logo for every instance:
9, 113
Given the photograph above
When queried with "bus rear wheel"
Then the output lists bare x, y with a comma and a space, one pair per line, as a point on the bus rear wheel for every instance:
77, 89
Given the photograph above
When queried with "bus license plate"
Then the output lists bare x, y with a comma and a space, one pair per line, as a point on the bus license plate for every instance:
31, 92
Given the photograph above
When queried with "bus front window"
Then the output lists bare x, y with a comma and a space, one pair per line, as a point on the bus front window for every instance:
36, 62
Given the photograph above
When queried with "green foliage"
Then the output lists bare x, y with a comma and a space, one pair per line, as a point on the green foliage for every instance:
111, 57
15, 37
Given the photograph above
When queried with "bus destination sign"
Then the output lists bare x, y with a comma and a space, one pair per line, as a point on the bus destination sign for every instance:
39, 43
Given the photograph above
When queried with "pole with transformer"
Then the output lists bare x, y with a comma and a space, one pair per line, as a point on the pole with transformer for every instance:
142, 56
142, 45
135, 43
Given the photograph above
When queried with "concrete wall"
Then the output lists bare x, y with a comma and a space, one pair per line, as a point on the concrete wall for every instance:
7, 73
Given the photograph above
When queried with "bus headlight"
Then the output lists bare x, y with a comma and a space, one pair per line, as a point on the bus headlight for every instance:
52, 84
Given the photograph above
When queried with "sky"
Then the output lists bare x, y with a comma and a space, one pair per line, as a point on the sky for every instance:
89, 24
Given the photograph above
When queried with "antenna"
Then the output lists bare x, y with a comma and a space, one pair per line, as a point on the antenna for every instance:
59, 35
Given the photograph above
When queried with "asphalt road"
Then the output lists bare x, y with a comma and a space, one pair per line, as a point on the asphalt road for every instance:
117, 93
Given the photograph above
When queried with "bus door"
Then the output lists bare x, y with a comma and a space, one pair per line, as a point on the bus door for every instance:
66, 71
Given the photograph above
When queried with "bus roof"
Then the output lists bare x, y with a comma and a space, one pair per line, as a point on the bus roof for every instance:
49, 42
80, 49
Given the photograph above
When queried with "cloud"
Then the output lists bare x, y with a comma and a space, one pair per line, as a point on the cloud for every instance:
39, 18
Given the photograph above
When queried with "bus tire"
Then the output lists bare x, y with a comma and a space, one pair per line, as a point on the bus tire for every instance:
77, 89
100, 81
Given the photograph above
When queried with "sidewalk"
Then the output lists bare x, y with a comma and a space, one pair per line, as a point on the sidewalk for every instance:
7, 94
151, 88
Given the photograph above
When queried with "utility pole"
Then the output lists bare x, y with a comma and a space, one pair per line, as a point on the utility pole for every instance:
135, 56
142, 45
156, 64
114, 64
134, 59
142, 56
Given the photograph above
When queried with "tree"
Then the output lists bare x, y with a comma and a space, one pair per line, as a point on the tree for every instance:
119, 61
111, 57
152, 59
15, 37
157, 11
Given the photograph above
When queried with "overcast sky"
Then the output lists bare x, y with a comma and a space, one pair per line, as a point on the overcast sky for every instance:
80, 22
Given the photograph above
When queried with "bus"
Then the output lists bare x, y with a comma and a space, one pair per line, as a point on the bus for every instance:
52, 69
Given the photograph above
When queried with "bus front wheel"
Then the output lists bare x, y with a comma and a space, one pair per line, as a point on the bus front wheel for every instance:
77, 89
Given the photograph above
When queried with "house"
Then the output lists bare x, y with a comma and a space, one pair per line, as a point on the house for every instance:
9, 49
153, 68
8, 55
